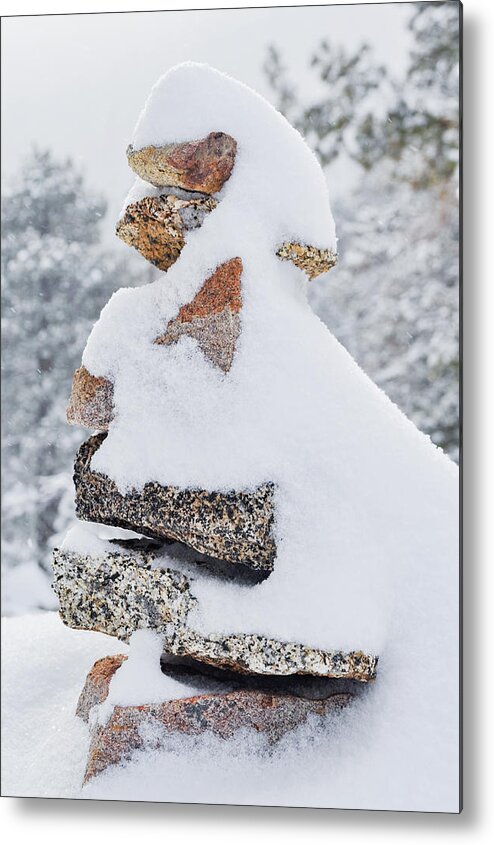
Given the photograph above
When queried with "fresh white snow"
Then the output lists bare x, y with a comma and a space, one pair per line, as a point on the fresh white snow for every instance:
394, 749
366, 507
363, 498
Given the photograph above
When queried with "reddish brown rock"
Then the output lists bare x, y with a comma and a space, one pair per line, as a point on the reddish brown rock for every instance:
203, 165
91, 401
212, 318
220, 714
97, 684
157, 226
310, 259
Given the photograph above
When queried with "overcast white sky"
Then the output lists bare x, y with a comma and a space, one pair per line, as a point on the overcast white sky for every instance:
76, 83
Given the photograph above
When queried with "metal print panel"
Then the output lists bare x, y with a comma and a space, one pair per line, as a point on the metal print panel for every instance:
231, 406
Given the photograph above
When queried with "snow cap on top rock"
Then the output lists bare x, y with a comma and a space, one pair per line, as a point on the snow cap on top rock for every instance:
276, 179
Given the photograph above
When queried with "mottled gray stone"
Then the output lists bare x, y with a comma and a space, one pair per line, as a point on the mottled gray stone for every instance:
120, 593
234, 526
255, 654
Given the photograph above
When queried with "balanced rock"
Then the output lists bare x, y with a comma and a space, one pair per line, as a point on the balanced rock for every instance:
234, 526
203, 165
221, 714
157, 225
212, 318
259, 655
310, 259
118, 594
91, 401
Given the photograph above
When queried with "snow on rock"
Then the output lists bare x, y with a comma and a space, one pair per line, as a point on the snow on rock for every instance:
366, 508
364, 502
44, 666
394, 748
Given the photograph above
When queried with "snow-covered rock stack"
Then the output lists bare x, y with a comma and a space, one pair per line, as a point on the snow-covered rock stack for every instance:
236, 498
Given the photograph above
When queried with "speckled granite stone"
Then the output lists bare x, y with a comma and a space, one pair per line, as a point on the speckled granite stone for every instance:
220, 714
91, 401
234, 526
310, 259
157, 226
203, 165
212, 317
255, 654
118, 594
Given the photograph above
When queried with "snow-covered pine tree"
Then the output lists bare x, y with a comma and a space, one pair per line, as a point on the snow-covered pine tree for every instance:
55, 279
393, 299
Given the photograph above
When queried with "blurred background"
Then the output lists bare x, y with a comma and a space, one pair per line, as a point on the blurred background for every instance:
374, 89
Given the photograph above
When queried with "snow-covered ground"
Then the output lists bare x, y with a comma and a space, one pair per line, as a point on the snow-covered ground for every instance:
394, 749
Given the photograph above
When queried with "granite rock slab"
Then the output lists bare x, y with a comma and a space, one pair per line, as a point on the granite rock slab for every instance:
233, 526
118, 593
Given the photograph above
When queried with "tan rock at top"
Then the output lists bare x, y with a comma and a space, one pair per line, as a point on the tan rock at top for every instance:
203, 165
91, 401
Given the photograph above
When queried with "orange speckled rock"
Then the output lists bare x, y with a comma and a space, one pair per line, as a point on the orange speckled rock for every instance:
97, 684
219, 713
202, 165
212, 318
91, 401
157, 226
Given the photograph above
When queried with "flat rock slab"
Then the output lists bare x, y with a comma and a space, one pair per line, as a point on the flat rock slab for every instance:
259, 655
91, 401
234, 526
310, 259
119, 593
221, 714
212, 317
202, 165
157, 226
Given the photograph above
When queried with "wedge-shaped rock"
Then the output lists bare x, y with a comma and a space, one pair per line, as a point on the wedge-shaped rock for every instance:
221, 714
91, 401
212, 318
97, 684
203, 165
310, 259
118, 594
255, 654
157, 226
234, 526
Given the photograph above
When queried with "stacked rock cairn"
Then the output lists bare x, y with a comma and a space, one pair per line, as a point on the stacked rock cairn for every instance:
270, 686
